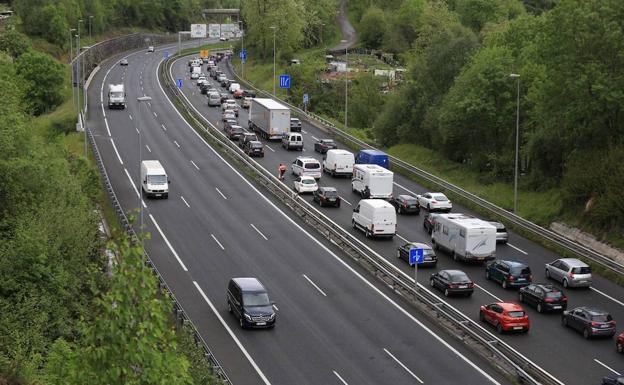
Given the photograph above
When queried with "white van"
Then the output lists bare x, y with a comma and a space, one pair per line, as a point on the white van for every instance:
338, 162
372, 181
154, 179
234, 87
116, 96
195, 72
292, 140
306, 166
375, 217
214, 99
465, 237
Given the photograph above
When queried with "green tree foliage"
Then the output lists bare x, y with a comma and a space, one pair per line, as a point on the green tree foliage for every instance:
364, 100
14, 43
44, 78
372, 28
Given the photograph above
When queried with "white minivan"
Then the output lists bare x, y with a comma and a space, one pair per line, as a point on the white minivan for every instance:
154, 179
292, 140
338, 162
375, 217
306, 166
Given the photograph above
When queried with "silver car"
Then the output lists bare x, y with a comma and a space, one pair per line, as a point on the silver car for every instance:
571, 272
501, 232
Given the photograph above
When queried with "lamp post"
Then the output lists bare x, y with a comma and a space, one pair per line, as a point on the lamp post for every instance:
346, 83
71, 64
321, 34
78, 66
517, 77
90, 21
274, 28
240, 23
77, 76
141, 100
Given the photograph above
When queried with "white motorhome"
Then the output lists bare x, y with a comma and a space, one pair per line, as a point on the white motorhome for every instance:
467, 238
375, 217
338, 162
154, 179
116, 96
372, 181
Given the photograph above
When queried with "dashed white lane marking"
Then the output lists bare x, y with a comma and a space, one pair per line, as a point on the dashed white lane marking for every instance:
164, 237
116, 152
218, 243
106, 123
137, 130
134, 186
163, 127
607, 296
345, 201
340, 378
600, 363
193, 163
259, 232
492, 295
148, 149
267, 146
315, 138
130, 116
276, 308
176, 143
155, 114
185, 202
514, 247
403, 366
219, 191
315, 285
402, 238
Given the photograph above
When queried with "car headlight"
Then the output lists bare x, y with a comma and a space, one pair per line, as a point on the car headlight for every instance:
247, 316
272, 316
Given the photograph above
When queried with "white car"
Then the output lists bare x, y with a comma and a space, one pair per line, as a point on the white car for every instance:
201, 79
435, 201
150, 48
306, 166
305, 184
194, 75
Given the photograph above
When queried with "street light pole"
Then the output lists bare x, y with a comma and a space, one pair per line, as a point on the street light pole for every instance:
274, 28
90, 38
77, 76
141, 100
516, 76
78, 66
321, 36
71, 64
240, 22
346, 83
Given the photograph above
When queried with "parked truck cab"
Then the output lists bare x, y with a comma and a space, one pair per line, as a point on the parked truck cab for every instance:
116, 96
154, 179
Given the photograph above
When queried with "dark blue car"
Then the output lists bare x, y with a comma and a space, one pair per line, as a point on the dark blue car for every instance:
509, 273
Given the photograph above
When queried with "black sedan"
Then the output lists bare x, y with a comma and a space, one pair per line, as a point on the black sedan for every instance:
234, 132
429, 256
429, 221
249, 93
589, 321
452, 282
405, 204
619, 380
543, 297
324, 144
327, 196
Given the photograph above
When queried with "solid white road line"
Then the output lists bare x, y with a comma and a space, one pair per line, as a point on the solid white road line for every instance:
130, 116
403, 366
332, 254
176, 143
259, 232
134, 186
492, 295
218, 243
231, 333
304, 131
195, 165
405, 188
219, 191
402, 238
600, 363
163, 127
148, 149
116, 152
514, 247
315, 138
185, 202
267, 146
607, 296
315, 285
276, 308
167, 242
346, 201
106, 123
155, 115
340, 378
137, 130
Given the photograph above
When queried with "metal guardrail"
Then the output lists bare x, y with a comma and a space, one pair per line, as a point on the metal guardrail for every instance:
460, 326
440, 183
178, 310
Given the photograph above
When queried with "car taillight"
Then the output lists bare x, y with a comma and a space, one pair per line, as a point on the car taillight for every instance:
564, 298
434, 202
595, 324
510, 278
549, 300
471, 285
571, 275
372, 227
405, 205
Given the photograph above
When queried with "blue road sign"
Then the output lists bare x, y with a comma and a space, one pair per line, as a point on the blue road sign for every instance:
415, 256
179, 83
284, 81
242, 54
306, 98
166, 54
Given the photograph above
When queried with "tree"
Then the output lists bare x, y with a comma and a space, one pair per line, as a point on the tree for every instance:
365, 100
14, 43
476, 13
371, 28
44, 78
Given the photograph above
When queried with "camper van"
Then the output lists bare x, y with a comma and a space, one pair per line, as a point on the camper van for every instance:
467, 238
372, 181
338, 162
154, 179
116, 96
375, 217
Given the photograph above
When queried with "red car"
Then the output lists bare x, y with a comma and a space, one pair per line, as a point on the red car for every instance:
505, 316
238, 94
619, 344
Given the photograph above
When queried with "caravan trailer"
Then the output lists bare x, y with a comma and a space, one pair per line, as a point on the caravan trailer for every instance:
467, 238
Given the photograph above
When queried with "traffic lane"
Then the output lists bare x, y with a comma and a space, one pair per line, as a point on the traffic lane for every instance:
400, 227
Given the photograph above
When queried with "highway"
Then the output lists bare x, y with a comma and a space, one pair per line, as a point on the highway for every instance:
336, 324
562, 352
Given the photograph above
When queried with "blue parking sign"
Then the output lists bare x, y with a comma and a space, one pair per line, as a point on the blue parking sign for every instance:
306, 98
242, 54
284, 81
415, 256
179, 83
166, 54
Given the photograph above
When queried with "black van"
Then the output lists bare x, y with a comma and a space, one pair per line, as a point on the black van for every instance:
248, 300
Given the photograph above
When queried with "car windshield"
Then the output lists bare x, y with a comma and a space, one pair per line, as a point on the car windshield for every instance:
312, 165
554, 294
459, 277
601, 317
328, 141
256, 145
581, 270
440, 198
308, 181
237, 130
157, 179
256, 299
117, 94
520, 270
331, 193
411, 201
516, 314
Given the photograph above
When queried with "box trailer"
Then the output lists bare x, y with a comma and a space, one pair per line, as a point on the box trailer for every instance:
373, 157
372, 181
465, 237
269, 118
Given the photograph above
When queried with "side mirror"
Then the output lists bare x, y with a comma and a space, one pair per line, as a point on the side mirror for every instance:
168, 181
145, 181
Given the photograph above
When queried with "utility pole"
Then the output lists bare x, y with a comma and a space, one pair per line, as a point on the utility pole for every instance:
516, 76
71, 64
274, 28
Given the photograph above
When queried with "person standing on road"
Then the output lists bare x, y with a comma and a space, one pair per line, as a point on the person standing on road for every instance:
281, 170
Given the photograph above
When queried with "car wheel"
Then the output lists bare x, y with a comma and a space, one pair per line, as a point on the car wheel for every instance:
455, 257
447, 292
338, 205
504, 284
320, 203
499, 328
481, 316
368, 234
353, 224
565, 283
229, 307
547, 273
539, 308
428, 207
487, 274
619, 347
520, 297
586, 333
564, 321
468, 294
431, 283
399, 256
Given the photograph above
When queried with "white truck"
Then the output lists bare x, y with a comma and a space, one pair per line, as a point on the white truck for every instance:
338, 162
269, 118
375, 217
372, 181
154, 179
465, 237
116, 96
